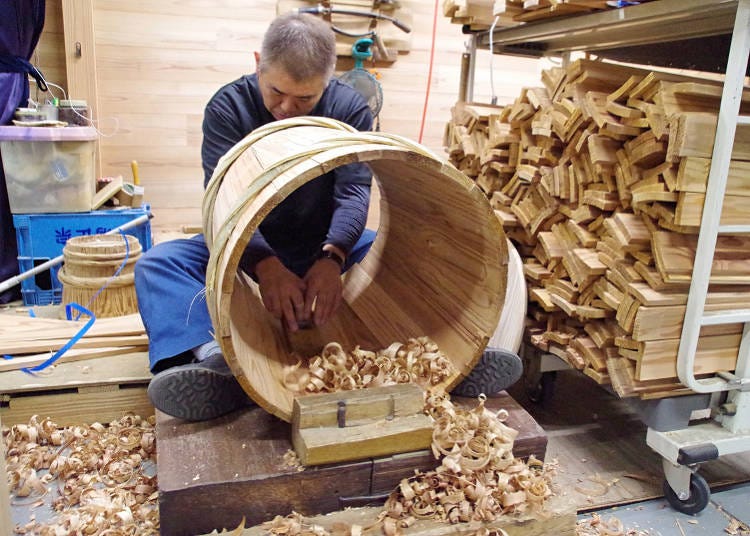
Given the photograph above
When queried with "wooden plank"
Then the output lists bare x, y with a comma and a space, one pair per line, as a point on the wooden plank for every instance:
80, 59
657, 323
692, 176
122, 368
658, 359
103, 404
674, 254
690, 209
108, 343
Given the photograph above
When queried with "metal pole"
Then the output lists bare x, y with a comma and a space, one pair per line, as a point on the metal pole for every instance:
15, 280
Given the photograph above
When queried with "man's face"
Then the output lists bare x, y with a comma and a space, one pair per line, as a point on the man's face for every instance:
286, 97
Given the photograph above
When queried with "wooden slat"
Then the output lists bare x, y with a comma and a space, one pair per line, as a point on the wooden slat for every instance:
658, 359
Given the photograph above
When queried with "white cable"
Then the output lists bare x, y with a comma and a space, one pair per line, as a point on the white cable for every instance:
50, 84
493, 97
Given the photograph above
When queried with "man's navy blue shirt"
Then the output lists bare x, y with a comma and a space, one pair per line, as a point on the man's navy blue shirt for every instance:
330, 209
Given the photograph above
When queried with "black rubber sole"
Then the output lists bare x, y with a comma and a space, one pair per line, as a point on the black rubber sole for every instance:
496, 371
196, 393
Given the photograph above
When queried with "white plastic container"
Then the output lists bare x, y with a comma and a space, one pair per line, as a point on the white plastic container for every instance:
49, 169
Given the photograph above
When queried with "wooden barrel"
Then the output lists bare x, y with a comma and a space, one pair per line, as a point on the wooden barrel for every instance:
437, 268
97, 273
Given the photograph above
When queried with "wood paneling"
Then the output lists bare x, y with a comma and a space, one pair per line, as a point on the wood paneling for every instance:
158, 63
49, 56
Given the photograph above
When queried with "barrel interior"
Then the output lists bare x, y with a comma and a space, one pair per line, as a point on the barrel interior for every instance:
438, 268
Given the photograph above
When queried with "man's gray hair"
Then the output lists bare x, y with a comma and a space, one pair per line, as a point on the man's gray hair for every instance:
301, 44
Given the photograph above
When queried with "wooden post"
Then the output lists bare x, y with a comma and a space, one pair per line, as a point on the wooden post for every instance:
80, 58
6, 521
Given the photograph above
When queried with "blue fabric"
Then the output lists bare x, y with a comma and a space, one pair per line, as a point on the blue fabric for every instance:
21, 23
170, 280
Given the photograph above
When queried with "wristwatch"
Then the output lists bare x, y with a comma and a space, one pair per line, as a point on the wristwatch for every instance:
330, 254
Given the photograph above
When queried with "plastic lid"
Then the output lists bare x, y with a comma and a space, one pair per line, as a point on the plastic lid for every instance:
73, 103
14, 133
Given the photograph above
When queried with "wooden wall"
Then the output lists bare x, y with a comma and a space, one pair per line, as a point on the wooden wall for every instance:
157, 64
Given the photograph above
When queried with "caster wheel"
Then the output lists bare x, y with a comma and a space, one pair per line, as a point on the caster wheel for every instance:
543, 389
699, 493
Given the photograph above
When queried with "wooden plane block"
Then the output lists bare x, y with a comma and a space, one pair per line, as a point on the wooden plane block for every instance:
318, 446
365, 423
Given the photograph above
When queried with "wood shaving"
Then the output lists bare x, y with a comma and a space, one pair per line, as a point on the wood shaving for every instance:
95, 474
737, 528
292, 460
611, 526
478, 479
418, 361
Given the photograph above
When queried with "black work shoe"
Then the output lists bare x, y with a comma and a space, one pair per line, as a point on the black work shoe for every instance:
197, 391
496, 370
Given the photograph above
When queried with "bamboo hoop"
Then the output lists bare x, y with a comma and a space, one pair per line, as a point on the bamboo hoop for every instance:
438, 267
91, 264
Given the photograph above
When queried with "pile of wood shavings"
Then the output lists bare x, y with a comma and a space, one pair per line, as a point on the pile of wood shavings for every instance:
94, 472
611, 526
478, 479
418, 361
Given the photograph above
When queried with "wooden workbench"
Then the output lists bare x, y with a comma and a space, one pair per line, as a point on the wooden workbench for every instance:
213, 474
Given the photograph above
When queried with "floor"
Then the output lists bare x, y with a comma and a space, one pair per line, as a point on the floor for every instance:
726, 513
608, 470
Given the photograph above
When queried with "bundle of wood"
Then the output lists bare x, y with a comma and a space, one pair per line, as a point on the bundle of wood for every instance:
30, 341
599, 178
479, 14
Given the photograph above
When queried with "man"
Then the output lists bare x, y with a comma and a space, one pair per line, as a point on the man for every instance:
300, 249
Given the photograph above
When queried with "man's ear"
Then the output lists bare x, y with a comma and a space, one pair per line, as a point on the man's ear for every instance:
257, 59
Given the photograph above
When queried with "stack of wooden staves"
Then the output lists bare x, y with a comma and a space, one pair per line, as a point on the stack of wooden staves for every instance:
599, 178
86, 382
479, 14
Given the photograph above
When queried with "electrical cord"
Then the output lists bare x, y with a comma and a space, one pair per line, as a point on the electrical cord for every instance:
429, 73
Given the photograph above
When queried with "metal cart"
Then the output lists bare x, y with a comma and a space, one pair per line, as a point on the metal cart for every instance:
625, 35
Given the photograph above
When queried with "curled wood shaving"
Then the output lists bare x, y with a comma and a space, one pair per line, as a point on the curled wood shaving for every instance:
101, 487
418, 361
611, 526
478, 479
291, 459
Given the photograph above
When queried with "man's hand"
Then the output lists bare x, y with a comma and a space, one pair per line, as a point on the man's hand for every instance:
323, 281
283, 292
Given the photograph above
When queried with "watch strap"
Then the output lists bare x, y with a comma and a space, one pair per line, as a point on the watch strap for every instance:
330, 254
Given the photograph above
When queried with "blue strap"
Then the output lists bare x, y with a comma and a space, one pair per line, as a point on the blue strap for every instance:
71, 342
17, 64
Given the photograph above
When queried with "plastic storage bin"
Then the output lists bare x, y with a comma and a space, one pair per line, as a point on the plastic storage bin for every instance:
49, 169
41, 237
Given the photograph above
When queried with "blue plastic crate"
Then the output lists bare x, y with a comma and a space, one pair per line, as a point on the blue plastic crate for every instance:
41, 237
